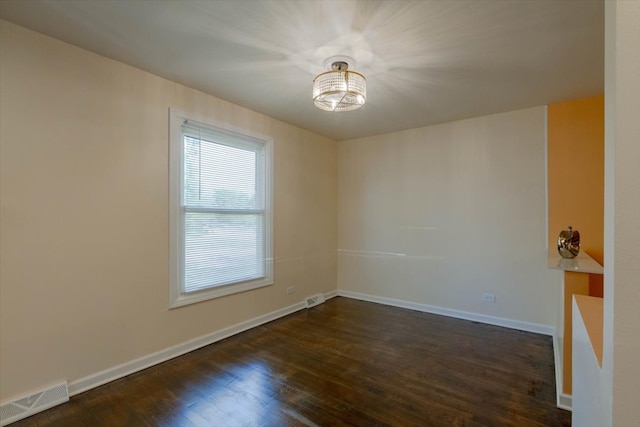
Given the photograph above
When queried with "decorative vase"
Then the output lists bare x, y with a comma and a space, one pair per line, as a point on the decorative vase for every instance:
569, 243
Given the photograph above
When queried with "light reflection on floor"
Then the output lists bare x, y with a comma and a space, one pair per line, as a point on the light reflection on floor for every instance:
243, 395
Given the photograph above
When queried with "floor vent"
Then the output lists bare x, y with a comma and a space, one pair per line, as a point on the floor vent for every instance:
315, 300
33, 403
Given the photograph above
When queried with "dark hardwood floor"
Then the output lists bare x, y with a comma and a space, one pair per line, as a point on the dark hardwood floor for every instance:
342, 363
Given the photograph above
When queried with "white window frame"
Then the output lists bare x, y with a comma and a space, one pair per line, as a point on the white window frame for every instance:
177, 295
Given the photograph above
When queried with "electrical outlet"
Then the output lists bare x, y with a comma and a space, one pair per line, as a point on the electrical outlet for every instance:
488, 298
290, 290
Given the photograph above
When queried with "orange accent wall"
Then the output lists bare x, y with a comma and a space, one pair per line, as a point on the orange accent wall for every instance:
576, 176
575, 161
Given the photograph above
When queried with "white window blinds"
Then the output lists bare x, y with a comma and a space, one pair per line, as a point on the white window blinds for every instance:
224, 208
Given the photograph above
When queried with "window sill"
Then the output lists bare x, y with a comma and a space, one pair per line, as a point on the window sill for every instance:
217, 292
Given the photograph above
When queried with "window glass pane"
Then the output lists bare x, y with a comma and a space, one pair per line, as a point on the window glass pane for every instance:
222, 249
219, 176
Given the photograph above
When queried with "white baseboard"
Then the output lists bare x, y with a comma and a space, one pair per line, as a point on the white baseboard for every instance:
128, 368
557, 363
563, 400
458, 314
331, 294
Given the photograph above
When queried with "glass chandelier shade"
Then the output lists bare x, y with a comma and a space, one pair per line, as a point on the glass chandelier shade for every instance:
339, 89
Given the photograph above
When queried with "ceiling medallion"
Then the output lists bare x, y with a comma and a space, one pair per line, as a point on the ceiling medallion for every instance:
339, 89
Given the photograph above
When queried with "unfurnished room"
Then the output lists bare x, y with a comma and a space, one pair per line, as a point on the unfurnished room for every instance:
320, 213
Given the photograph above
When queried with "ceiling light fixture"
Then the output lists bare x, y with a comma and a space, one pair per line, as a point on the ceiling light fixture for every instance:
339, 89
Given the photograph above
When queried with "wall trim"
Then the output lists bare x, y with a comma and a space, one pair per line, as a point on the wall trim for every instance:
563, 400
111, 374
331, 294
459, 314
546, 177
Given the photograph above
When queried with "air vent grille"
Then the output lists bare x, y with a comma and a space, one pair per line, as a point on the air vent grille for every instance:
315, 300
33, 403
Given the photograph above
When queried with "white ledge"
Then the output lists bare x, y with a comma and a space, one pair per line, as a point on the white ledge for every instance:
583, 263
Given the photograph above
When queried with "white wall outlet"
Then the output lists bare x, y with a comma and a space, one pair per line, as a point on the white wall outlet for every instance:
290, 290
488, 298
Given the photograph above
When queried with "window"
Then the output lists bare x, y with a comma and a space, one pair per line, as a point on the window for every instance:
220, 211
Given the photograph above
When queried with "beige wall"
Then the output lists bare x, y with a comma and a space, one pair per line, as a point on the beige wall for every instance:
622, 213
84, 215
442, 214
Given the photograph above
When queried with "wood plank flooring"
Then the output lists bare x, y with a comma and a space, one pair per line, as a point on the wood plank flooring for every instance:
342, 363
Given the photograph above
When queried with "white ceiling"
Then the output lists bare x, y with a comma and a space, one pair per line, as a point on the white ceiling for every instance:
426, 62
